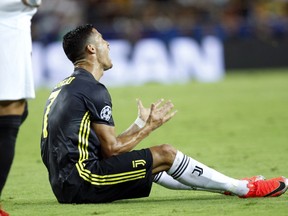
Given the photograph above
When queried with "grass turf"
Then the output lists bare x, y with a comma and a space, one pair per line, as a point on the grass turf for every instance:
238, 126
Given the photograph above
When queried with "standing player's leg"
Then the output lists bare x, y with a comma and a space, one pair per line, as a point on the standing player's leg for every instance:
12, 114
194, 174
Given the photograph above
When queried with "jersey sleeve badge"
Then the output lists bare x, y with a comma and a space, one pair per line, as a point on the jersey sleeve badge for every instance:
106, 113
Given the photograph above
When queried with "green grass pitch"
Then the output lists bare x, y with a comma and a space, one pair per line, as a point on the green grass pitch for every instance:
238, 126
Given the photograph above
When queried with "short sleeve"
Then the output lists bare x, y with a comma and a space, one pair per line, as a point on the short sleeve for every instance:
99, 104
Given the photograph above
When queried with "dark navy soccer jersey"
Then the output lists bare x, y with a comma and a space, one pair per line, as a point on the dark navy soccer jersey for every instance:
67, 139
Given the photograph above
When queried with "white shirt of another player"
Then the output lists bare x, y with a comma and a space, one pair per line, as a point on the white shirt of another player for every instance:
17, 13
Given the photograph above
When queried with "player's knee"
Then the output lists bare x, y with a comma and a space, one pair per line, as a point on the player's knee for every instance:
163, 157
168, 152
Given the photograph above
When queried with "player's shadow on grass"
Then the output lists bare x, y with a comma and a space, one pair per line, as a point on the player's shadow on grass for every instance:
29, 202
151, 199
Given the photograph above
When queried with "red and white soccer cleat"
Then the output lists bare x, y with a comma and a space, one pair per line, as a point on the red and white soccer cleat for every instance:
254, 178
250, 180
267, 188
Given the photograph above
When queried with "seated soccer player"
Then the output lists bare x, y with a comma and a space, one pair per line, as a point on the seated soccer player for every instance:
88, 163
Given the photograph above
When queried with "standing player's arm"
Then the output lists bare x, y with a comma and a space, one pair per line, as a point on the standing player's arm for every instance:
125, 142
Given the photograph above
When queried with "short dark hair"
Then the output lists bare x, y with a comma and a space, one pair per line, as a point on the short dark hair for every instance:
74, 42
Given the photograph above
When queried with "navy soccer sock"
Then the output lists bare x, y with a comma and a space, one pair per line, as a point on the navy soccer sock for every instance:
9, 126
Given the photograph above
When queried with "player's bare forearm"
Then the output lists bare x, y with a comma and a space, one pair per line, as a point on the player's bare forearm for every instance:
144, 113
115, 145
128, 141
130, 131
157, 117
159, 114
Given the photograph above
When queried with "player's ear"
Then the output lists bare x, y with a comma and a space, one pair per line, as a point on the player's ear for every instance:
91, 48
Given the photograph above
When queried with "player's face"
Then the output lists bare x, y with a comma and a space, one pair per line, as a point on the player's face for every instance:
102, 49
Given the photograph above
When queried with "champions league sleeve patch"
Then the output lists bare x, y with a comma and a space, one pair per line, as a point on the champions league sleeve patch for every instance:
106, 113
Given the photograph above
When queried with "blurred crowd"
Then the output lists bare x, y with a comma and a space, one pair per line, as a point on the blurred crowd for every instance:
165, 19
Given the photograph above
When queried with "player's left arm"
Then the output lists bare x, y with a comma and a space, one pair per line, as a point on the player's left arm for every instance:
159, 113
115, 145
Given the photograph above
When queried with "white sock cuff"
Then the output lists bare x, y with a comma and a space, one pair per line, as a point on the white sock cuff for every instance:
179, 165
157, 177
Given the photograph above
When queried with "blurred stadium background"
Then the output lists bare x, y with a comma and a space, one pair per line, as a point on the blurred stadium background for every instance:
165, 41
